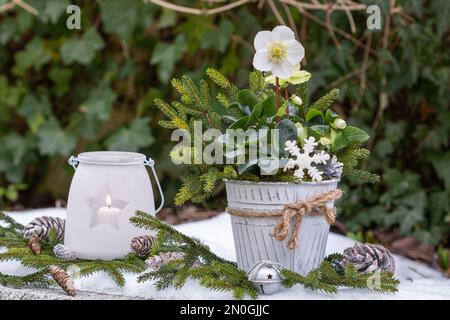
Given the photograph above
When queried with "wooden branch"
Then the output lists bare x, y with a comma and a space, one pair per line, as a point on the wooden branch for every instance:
333, 6
196, 11
275, 11
14, 3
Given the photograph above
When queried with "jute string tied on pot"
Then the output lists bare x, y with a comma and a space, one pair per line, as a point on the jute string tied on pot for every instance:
316, 206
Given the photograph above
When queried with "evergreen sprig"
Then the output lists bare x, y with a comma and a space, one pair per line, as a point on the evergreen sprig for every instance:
351, 157
326, 101
11, 237
218, 274
214, 272
325, 278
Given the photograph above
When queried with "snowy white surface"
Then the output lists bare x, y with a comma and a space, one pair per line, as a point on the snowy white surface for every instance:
417, 280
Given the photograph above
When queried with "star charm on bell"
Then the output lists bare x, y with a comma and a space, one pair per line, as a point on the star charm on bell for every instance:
266, 277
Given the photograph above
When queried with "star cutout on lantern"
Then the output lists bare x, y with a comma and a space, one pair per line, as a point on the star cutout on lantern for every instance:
269, 276
106, 209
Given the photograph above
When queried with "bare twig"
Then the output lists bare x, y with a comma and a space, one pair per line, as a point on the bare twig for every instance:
290, 18
363, 85
196, 11
18, 3
330, 27
275, 11
349, 15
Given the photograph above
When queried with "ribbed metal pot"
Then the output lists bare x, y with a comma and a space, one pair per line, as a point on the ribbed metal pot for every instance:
253, 237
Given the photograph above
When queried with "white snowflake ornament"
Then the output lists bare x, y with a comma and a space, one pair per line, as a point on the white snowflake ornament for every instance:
304, 161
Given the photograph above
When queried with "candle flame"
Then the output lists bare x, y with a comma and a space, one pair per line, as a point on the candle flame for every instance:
108, 200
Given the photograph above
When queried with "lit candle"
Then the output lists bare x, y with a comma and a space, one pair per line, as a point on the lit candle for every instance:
108, 214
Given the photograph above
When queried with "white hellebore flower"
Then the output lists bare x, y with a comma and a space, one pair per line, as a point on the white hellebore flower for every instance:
277, 51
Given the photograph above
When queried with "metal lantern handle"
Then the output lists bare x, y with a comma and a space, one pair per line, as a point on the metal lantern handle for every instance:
150, 163
73, 161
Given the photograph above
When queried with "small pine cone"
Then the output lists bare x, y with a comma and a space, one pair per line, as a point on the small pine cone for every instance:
35, 245
333, 169
41, 226
63, 280
156, 262
142, 245
64, 253
369, 258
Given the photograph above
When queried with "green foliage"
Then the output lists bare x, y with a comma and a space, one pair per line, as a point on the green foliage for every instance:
326, 279
220, 275
253, 108
17, 250
404, 106
326, 101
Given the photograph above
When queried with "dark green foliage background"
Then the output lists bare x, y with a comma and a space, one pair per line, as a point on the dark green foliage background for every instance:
63, 92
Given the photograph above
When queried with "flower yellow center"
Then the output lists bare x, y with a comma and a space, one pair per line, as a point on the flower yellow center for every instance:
277, 52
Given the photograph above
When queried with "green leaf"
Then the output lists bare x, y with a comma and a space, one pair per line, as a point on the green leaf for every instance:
354, 134
53, 10
241, 123
99, 103
247, 98
330, 116
218, 39
256, 114
165, 56
133, 138
313, 112
120, 17
54, 141
269, 107
83, 49
35, 110
168, 18
442, 168
61, 78
35, 55
287, 132
282, 110
313, 133
8, 29
338, 140
247, 165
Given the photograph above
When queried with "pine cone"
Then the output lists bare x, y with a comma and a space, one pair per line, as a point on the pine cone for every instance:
369, 257
333, 169
142, 245
41, 226
64, 253
35, 245
63, 280
156, 262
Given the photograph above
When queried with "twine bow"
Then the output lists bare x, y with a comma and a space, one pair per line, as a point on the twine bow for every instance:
315, 206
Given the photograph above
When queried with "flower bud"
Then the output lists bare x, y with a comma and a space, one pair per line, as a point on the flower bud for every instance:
339, 123
324, 141
297, 100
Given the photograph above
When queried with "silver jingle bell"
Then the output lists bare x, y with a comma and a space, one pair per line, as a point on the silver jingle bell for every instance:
266, 277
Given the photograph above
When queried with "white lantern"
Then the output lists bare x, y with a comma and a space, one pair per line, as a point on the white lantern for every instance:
106, 190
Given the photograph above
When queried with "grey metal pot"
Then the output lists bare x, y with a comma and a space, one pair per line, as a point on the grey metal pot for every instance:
253, 237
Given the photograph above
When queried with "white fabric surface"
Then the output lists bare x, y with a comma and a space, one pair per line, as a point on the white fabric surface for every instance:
418, 281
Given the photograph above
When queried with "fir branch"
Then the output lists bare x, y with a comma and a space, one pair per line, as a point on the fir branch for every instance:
146, 221
256, 81
37, 279
326, 101
325, 278
218, 78
361, 176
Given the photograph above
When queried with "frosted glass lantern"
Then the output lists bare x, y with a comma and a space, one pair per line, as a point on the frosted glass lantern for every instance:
107, 189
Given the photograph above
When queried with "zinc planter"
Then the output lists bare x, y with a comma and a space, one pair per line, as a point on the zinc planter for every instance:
253, 236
